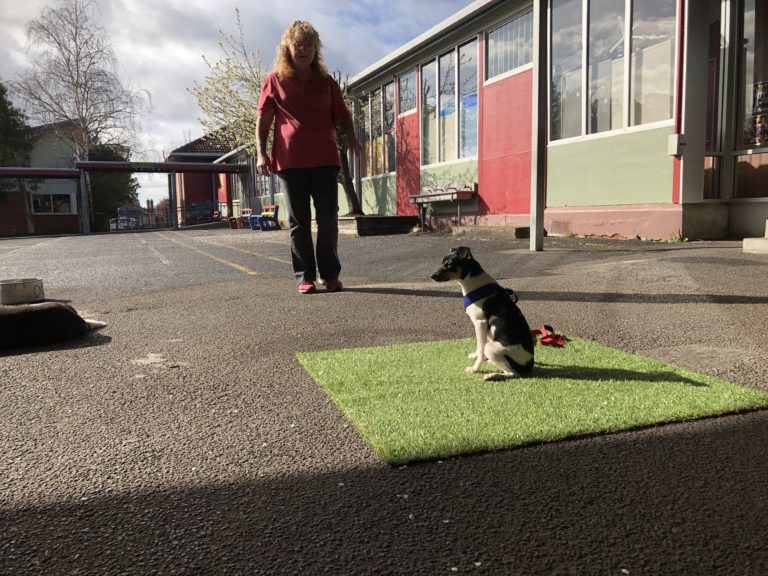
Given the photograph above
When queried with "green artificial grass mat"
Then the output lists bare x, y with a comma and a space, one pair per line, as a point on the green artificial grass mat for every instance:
415, 401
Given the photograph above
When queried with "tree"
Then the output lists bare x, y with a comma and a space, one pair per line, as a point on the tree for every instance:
229, 95
345, 175
15, 136
71, 81
15, 147
109, 190
163, 211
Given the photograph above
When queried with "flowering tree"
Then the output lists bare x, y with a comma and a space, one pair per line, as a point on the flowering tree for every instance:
229, 95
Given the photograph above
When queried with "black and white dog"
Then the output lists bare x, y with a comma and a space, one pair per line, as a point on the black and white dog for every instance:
41, 323
502, 332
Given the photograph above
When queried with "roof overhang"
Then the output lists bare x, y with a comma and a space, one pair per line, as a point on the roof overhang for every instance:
163, 167
236, 153
48, 173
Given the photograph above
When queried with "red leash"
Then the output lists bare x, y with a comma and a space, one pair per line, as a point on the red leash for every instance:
546, 336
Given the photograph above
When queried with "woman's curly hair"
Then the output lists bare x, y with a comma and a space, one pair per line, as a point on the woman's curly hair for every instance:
303, 31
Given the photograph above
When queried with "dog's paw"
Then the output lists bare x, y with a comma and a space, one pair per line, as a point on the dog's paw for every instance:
471, 370
472, 355
498, 377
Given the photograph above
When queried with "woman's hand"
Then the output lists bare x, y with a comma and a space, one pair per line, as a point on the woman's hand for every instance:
350, 137
263, 124
262, 164
354, 145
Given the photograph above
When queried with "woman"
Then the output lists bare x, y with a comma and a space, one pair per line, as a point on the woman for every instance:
305, 104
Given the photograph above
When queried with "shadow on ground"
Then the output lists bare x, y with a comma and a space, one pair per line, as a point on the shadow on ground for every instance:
596, 374
606, 297
589, 508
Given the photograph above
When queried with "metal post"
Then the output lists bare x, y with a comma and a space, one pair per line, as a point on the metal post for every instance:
173, 209
731, 52
539, 120
84, 205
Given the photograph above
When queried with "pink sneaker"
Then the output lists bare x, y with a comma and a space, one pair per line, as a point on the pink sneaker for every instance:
333, 285
307, 287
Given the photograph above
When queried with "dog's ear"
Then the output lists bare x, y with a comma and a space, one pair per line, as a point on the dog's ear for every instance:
464, 253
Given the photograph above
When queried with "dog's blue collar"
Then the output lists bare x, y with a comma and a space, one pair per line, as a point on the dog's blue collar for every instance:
482, 292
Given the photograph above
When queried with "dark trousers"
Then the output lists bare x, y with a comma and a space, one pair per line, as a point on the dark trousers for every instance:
299, 185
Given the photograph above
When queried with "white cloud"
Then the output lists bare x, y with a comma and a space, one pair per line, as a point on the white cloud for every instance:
160, 46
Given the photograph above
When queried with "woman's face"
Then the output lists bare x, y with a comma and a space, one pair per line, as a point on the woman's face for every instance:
302, 53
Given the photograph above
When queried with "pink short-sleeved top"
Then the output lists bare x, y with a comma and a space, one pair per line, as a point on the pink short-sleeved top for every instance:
306, 115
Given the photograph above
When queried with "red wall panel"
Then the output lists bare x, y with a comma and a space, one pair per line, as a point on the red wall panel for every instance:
504, 185
13, 222
197, 188
407, 159
222, 189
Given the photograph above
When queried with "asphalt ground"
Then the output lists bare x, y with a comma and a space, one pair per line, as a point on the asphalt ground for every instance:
185, 438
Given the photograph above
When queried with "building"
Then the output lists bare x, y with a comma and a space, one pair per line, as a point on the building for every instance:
248, 190
200, 194
44, 206
641, 118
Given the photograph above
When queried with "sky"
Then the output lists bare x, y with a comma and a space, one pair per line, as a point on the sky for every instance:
160, 46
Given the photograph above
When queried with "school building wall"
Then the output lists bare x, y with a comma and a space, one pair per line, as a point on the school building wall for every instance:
51, 204
613, 185
664, 137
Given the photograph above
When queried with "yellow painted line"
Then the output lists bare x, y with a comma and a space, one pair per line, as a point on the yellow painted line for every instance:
250, 252
22, 248
212, 257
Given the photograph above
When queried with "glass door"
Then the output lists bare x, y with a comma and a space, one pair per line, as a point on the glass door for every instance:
751, 170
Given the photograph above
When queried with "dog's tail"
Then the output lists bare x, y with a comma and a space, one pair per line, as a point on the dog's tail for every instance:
95, 324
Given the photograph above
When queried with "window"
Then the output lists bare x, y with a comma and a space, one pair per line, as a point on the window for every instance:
468, 100
646, 94
447, 87
653, 60
377, 158
52, 204
378, 114
606, 65
566, 69
389, 127
365, 160
449, 106
407, 92
429, 113
753, 99
510, 46
751, 169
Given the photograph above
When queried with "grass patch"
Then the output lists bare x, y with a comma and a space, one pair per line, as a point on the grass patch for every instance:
415, 402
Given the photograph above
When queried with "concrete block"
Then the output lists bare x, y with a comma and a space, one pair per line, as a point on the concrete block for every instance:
755, 245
